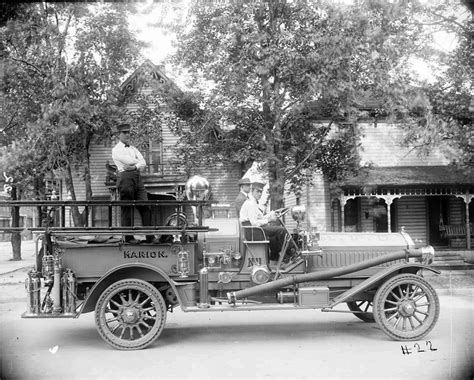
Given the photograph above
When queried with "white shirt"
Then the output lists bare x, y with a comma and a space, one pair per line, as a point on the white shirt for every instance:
127, 157
250, 212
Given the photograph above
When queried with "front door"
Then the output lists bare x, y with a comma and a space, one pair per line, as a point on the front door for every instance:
437, 218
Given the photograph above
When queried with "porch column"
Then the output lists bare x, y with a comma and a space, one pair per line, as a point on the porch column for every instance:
342, 202
389, 200
467, 200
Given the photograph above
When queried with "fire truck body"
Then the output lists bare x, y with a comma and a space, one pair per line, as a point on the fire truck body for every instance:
219, 265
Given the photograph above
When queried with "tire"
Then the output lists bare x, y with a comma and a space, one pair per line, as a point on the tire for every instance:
406, 307
130, 314
361, 310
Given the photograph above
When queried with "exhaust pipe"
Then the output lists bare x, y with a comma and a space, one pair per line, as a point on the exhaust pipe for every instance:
232, 297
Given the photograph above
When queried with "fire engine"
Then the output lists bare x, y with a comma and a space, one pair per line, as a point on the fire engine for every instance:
215, 264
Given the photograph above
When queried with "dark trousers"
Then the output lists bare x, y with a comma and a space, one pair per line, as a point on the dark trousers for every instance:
130, 186
276, 236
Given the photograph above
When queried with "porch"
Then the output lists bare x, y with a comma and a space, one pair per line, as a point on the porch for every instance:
433, 204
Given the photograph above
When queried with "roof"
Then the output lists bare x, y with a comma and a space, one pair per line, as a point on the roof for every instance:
403, 176
150, 74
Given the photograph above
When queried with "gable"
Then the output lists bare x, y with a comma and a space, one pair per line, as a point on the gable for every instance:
148, 75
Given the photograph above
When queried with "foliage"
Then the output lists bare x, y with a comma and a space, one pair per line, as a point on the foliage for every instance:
64, 63
274, 68
441, 113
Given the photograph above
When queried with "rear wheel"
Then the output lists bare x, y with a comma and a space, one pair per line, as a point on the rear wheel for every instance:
130, 314
406, 307
362, 310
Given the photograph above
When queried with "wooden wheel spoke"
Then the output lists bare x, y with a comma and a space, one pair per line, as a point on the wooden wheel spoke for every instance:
144, 302
112, 311
419, 297
115, 303
395, 296
393, 316
115, 328
138, 297
139, 330
417, 319
421, 312
145, 325
122, 298
130, 298
423, 304
410, 319
397, 321
390, 309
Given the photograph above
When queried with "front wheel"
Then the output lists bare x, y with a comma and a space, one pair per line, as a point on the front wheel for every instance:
130, 314
406, 307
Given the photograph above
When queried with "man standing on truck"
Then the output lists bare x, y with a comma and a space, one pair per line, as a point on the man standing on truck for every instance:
129, 162
252, 215
244, 184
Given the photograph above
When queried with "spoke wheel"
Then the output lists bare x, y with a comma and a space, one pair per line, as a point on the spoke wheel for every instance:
362, 310
130, 314
406, 307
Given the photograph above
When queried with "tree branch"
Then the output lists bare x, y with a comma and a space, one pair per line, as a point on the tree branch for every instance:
28, 64
449, 20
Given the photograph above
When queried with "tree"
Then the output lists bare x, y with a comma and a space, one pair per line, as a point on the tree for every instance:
441, 112
64, 63
274, 68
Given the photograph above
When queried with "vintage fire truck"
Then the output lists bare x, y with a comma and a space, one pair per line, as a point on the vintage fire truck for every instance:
215, 264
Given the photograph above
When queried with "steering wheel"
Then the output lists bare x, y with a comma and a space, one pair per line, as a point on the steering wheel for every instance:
280, 212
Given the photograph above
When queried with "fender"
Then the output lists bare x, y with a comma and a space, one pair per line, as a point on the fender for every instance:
380, 277
141, 271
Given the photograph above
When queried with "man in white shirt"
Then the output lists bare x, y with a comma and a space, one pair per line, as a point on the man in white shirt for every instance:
251, 215
129, 162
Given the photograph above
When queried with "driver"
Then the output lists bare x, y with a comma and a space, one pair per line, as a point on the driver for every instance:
252, 215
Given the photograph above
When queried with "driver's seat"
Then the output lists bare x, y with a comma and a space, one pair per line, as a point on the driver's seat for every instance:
252, 233
254, 247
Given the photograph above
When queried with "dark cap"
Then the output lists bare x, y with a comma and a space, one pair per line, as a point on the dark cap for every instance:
258, 185
124, 127
244, 181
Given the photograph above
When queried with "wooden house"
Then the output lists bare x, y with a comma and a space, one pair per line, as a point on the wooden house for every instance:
397, 188
164, 176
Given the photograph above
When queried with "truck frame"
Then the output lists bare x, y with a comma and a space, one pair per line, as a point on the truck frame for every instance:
215, 264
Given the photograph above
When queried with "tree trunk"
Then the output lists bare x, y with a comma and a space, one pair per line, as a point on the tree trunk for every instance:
77, 217
15, 236
87, 169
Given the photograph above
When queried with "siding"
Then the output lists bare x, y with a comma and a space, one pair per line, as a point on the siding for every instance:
316, 198
223, 179
381, 147
100, 154
412, 216
456, 210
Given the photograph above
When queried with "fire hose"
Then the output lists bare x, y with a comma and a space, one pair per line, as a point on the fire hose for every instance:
327, 274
